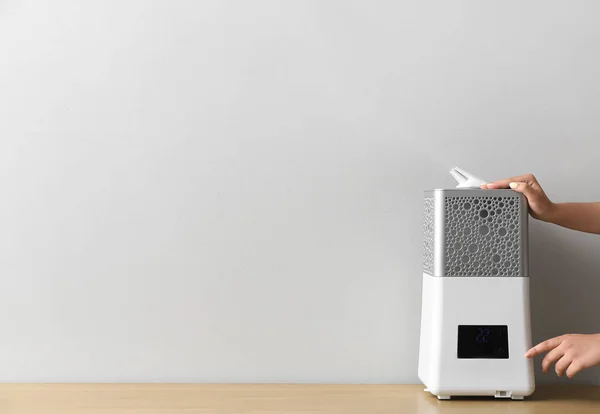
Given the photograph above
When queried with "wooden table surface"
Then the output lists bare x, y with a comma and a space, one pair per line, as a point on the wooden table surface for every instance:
277, 399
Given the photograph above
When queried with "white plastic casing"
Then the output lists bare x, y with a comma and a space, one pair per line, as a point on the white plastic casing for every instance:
452, 301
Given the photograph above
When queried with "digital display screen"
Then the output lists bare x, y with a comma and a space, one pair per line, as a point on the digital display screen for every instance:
483, 341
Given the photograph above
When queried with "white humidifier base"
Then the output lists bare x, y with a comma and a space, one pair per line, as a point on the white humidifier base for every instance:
474, 335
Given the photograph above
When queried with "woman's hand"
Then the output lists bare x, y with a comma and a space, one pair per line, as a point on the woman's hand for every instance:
575, 216
540, 205
571, 353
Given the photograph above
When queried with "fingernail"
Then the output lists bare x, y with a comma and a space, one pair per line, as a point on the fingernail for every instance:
513, 185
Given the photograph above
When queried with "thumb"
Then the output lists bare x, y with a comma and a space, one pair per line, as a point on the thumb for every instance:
523, 188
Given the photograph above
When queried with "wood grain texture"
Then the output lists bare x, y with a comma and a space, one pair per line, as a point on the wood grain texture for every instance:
280, 399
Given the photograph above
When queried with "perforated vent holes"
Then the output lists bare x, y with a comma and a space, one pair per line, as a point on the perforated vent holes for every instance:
428, 236
482, 236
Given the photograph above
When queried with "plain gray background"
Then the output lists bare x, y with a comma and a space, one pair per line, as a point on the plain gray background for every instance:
231, 191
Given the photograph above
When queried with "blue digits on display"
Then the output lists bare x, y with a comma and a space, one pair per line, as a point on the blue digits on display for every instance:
482, 335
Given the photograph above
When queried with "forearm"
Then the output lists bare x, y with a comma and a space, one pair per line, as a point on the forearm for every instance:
583, 217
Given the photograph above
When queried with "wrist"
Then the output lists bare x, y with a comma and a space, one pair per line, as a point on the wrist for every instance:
551, 213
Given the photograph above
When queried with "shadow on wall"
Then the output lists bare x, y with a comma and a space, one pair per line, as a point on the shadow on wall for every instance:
565, 290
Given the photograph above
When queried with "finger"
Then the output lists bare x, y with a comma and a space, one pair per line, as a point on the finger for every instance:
551, 357
526, 178
561, 365
573, 369
544, 346
523, 188
498, 184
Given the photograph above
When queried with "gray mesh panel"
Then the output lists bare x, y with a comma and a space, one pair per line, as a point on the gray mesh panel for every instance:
482, 236
428, 235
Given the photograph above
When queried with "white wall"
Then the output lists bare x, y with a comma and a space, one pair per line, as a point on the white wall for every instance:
231, 190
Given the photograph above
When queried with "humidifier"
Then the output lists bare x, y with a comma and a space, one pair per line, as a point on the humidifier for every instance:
475, 319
